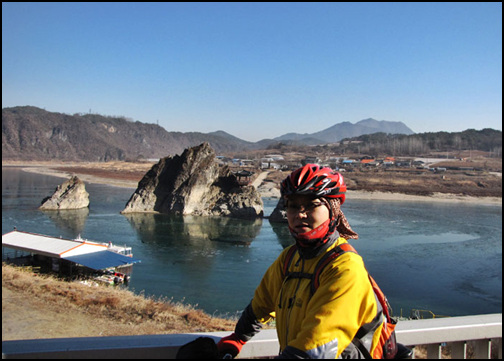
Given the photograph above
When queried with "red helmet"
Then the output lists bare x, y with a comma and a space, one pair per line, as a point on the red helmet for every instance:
315, 181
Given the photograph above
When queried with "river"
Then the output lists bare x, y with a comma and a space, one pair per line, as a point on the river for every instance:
445, 258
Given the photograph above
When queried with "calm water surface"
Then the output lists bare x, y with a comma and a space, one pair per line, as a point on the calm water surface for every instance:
446, 258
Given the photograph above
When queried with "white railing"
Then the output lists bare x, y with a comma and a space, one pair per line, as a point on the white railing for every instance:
480, 332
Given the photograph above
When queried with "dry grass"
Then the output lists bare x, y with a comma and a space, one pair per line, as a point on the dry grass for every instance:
119, 311
114, 170
416, 182
423, 182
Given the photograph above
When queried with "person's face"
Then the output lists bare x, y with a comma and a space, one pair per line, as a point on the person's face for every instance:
305, 213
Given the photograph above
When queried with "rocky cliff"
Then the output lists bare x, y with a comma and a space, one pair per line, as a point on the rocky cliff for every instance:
31, 133
194, 183
71, 194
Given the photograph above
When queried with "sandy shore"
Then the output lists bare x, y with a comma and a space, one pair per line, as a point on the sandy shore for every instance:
125, 183
49, 169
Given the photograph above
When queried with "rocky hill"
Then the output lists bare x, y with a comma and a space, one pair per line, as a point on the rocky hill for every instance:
31, 133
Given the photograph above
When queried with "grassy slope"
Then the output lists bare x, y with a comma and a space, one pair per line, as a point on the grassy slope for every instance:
37, 306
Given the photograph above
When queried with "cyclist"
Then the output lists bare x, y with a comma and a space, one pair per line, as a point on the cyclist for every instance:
322, 324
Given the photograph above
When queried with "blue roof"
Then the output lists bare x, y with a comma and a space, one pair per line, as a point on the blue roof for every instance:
101, 260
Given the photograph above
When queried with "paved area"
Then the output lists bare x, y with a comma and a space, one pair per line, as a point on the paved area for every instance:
257, 182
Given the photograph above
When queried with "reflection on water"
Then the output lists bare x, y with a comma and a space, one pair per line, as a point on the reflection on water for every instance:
282, 232
71, 220
443, 257
162, 228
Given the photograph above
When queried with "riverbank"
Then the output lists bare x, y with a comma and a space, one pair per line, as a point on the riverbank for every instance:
128, 174
40, 306
118, 174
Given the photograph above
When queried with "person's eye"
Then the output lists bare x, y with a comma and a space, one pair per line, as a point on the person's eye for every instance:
312, 206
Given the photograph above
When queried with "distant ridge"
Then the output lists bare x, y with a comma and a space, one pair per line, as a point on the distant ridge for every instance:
31, 133
348, 130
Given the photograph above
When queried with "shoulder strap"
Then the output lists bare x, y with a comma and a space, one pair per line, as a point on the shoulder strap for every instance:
324, 261
288, 259
328, 258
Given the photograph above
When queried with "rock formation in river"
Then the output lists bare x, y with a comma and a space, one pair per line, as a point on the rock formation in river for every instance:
279, 215
194, 183
71, 194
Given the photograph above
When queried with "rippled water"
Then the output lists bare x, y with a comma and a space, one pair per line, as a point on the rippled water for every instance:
446, 258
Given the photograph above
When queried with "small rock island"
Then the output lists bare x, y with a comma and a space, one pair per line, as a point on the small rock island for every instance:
71, 194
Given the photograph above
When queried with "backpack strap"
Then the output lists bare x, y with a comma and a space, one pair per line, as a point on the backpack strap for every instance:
328, 258
366, 331
324, 261
288, 260
382, 299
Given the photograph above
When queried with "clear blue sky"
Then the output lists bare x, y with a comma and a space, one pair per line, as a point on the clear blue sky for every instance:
258, 70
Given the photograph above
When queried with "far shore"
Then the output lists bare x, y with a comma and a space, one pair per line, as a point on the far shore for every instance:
87, 178
48, 169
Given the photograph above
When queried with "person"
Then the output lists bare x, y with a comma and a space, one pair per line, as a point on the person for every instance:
323, 324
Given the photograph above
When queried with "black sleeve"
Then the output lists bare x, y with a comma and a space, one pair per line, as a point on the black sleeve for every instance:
247, 325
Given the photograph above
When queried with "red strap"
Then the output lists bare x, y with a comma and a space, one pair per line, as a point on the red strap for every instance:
288, 259
347, 247
335, 252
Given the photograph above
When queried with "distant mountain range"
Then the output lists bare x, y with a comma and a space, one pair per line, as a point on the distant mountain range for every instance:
31, 133
348, 130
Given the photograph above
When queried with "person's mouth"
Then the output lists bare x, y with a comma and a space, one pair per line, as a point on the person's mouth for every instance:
302, 228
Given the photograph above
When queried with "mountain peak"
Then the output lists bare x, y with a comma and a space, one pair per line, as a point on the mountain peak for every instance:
348, 130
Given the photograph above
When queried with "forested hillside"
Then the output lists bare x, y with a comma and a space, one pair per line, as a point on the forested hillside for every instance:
423, 144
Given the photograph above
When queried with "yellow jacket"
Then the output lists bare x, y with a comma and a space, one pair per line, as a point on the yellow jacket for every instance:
322, 325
